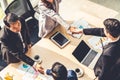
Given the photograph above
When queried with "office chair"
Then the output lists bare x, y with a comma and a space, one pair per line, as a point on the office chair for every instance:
0, 27
3, 64
22, 8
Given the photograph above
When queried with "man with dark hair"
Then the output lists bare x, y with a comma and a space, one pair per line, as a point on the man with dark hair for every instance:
15, 41
108, 65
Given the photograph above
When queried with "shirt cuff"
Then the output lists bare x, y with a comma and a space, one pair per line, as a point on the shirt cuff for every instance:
69, 32
34, 65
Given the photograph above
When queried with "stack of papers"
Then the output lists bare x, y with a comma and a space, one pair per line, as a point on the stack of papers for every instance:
96, 42
79, 24
31, 74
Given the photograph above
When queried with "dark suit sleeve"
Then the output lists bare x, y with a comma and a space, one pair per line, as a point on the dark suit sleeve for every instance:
6, 51
26, 59
94, 31
97, 67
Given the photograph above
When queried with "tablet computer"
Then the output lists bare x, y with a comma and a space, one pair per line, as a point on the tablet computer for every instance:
59, 39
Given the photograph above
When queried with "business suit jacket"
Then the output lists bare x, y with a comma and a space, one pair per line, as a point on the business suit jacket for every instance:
49, 19
12, 45
108, 65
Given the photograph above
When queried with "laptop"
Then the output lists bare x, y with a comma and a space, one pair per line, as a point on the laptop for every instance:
85, 55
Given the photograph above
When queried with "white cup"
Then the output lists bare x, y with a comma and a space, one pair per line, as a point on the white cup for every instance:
79, 72
37, 59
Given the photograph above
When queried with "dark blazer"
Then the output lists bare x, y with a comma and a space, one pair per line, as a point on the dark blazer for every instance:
12, 47
108, 65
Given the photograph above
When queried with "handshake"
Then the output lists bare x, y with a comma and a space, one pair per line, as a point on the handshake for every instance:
75, 32
76, 29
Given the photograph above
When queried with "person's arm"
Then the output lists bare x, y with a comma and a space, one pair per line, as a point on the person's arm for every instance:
21, 56
6, 50
94, 31
24, 58
89, 31
51, 13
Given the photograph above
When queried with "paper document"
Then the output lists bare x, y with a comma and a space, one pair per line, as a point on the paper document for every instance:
23, 68
80, 24
96, 43
29, 73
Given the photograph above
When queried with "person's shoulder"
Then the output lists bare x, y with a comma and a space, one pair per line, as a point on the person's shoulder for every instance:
71, 75
112, 49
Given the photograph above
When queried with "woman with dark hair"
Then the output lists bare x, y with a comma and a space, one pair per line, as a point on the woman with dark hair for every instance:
49, 17
108, 65
15, 41
59, 72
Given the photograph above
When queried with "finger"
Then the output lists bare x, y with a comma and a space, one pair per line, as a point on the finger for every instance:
76, 31
41, 71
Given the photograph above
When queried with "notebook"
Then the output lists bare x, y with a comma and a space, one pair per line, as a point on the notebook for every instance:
85, 55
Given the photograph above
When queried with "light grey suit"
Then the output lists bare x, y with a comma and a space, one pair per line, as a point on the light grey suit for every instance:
49, 19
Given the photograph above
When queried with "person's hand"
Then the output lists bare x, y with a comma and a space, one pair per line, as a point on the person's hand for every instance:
72, 28
77, 31
29, 46
39, 68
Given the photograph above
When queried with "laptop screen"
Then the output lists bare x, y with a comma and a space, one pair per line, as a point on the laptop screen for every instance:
81, 51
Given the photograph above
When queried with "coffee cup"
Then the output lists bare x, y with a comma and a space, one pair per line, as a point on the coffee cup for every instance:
37, 59
79, 72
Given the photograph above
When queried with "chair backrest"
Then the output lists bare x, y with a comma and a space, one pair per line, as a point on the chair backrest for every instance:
0, 52
0, 27
22, 8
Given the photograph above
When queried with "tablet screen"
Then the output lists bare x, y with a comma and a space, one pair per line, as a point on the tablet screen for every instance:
59, 39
